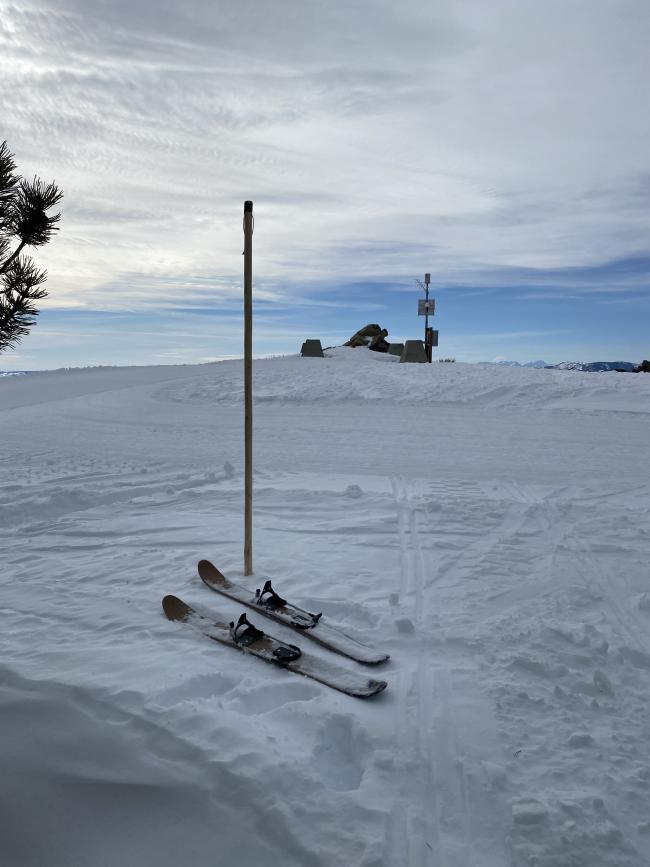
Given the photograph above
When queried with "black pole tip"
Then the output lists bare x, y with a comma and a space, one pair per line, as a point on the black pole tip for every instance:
248, 207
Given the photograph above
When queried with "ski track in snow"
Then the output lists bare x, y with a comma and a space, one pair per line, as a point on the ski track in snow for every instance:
441, 776
412, 837
505, 572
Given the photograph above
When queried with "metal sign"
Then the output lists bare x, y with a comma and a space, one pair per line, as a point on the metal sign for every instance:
426, 306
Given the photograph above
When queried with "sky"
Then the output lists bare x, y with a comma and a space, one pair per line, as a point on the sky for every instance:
501, 145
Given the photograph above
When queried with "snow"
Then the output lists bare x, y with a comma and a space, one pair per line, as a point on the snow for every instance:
487, 526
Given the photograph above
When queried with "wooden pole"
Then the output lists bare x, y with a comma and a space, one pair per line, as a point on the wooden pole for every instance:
248, 388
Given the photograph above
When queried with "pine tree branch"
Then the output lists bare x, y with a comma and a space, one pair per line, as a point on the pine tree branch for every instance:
8, 179
5, 267
23, 219
20, 286
28, 219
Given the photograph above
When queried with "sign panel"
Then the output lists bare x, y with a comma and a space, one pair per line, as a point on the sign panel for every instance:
426, 308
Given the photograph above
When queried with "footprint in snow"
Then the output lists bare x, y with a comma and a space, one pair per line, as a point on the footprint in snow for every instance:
200, 687
341, 753
266, 698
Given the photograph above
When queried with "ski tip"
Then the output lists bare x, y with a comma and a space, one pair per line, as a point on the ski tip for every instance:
209, 573
175, 608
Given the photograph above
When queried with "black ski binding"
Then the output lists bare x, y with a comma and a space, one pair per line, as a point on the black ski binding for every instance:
305, 620
287, 653
272, 601
244, 633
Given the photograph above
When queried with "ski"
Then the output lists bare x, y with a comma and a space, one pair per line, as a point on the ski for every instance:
247, 638
268, 603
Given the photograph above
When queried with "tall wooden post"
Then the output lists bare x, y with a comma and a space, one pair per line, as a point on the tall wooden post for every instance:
248, 388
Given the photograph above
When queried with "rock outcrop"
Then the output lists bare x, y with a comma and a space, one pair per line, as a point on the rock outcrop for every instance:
373, 336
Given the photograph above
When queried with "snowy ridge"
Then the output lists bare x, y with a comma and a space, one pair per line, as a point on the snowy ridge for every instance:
360, 375
488, 526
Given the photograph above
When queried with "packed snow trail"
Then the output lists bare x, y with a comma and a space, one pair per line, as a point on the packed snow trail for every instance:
488, 527
441, 769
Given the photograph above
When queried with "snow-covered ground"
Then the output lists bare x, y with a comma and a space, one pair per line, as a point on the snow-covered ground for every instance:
487, 526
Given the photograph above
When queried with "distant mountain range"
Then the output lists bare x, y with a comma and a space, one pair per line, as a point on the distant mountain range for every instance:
527, 364
588, 366
596, 366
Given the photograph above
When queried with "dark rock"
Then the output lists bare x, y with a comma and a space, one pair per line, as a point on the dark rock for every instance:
379, 343
364, 336
644, 367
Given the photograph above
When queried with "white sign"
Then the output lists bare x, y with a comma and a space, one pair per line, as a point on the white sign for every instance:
426, 308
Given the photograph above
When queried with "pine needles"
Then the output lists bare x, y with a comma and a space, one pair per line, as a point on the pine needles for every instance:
24, 222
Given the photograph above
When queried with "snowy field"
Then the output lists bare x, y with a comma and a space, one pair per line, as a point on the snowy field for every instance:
487, 526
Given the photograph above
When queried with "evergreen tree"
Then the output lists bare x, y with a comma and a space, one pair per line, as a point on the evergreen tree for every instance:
24, 222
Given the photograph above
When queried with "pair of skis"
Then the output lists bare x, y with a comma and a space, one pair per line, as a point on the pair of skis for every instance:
244, 636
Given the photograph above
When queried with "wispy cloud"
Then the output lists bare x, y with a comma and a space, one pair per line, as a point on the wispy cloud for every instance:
499, 145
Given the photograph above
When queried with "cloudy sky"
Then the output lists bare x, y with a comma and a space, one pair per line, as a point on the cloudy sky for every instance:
502, 145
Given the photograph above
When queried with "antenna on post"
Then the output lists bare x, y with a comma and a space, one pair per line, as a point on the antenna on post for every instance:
427, 281
248, 388
426, 308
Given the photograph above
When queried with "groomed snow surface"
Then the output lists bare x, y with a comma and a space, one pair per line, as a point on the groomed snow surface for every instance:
487, 526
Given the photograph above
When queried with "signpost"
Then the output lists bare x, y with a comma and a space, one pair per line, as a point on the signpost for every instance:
426, 308
248, 388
